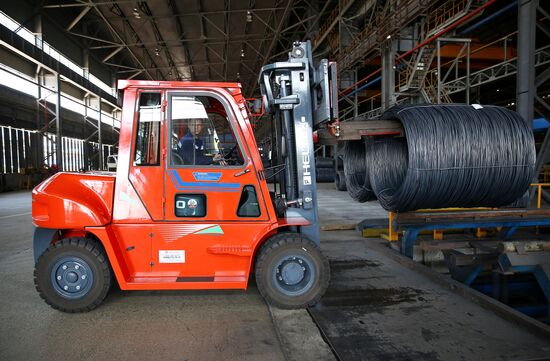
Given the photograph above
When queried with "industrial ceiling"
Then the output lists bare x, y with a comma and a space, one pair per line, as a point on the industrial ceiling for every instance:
186, 40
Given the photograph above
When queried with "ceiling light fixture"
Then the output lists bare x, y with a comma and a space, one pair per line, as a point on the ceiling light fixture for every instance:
157, 52
248, 17
136, 13
242, 53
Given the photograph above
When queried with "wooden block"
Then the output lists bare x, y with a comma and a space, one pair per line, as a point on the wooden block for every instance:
339, 227
373, 232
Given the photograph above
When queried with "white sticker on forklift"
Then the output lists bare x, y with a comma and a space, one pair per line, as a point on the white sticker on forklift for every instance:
172, 256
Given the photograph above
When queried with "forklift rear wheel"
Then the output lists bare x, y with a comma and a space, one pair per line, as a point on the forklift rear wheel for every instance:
73, 275
291, 271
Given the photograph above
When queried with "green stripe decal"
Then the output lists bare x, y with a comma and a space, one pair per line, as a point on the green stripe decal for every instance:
211, 230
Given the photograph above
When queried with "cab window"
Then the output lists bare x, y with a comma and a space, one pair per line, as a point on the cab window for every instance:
201, 134
147, 147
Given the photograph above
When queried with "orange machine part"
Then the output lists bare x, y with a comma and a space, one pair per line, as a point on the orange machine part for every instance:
72, 201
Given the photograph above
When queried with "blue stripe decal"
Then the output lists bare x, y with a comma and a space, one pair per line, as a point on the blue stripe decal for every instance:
202, 186
172, 178
217, 190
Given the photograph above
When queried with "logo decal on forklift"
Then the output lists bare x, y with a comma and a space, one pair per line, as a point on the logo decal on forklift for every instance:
306, 162
192, 203
175, 232
211, 230
207, 176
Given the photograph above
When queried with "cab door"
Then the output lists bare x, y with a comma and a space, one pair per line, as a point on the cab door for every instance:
139, 190
214, 210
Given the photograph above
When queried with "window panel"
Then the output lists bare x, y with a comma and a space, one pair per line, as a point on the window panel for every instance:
201, 133
147, 149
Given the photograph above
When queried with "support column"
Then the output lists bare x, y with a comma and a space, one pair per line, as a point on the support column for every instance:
526, 91
388, 74
467, 74
58, 140
37, 139
99, 140
355, 96
438, 55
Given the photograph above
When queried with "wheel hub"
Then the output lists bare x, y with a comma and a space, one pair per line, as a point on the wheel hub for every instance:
292, 273
71, 277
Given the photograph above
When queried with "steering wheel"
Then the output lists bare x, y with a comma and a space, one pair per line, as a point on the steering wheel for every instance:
228, 154
176, 158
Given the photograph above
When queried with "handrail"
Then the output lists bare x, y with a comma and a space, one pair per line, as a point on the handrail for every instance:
477, 50
539, 191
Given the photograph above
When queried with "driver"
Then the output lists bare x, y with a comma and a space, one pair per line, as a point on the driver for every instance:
190, 147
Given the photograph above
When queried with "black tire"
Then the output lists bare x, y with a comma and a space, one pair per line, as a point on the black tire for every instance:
340, 181
325, 175
324, 162
73, 275
307, 271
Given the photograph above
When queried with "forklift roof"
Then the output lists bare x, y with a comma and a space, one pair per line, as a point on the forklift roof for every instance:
123, 84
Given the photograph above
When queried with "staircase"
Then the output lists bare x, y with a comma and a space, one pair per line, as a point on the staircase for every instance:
412, 80
429, 91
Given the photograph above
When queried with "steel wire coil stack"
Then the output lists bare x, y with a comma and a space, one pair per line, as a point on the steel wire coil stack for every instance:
455, 156
356, 171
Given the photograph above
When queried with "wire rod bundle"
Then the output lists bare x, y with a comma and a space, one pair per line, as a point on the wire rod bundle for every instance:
356, 171
455, 156
387, 158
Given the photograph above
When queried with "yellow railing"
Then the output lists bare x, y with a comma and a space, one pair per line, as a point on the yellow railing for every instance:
539, 191
444, 13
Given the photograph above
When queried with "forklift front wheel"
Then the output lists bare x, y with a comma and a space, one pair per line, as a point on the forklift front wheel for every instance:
73, 275
291, 271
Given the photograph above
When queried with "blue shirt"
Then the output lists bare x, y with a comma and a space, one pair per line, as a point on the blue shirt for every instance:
191, 150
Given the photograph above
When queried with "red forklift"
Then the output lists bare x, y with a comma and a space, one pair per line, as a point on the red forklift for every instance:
190, 206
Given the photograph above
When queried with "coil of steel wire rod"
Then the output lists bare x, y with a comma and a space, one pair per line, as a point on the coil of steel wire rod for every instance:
356, 171
387, 160
522, 202
455, 156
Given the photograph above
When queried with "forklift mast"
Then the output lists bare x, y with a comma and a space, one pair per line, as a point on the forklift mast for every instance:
301, 97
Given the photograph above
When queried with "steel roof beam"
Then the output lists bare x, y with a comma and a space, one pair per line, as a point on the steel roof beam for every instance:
275, 39
180, 41
181, 36
123, 42
158, 35
204, 37
332, 25
79, 17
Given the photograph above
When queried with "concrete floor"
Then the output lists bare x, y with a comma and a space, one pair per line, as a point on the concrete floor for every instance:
197, 325
235, 325
377, 308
